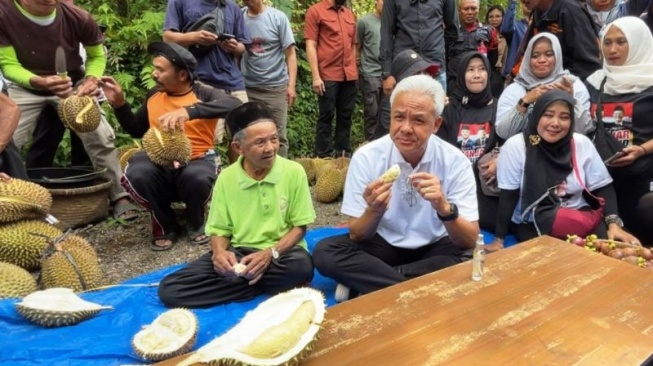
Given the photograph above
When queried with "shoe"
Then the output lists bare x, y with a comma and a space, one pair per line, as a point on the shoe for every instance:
342, 293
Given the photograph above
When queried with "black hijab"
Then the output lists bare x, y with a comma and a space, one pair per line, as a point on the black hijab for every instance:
547, 164
461, 93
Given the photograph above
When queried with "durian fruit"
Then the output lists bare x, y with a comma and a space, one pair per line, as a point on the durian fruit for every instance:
329, 184
124, 158
171, 334
20, 199
56, 307
15, 281
70, 261
22, 243
309, 168
280, 331
165, 148
392, 174
319, 164
80, 113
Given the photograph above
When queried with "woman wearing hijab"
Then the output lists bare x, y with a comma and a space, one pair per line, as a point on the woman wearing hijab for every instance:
627, 47
540, 72
539, 162
468, 123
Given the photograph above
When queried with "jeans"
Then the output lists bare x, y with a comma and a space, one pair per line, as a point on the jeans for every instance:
339, 99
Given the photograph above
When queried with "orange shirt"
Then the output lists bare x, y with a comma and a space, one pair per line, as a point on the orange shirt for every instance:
334, 31
199, 131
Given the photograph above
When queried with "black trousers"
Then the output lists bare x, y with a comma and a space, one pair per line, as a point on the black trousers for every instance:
155, 187
11, 162
635, 199
198, 285
339, 100
383, 121
375, 264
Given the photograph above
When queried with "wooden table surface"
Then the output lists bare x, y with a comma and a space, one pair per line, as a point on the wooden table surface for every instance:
542, 302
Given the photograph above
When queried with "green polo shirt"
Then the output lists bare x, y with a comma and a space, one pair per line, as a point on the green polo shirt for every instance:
255, 213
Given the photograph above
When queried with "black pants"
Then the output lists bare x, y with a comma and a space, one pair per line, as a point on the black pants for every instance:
339, 99
372, 90
198, 285
488, 206
11, 162
383, 121
46, 140
635, 199
375, 264
155, 187
528, 231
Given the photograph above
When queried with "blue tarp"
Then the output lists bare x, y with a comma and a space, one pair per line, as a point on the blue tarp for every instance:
105, 339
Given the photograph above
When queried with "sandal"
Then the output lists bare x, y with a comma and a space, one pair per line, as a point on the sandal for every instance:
125, 211
158, 248
195, 236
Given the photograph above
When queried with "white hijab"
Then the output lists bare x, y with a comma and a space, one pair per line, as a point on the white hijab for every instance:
636, 74
526, 78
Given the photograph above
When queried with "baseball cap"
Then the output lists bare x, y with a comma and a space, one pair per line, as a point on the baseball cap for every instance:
409, 62
176, 54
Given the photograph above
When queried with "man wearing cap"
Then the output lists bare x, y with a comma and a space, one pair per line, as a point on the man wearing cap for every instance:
176, 102
30, 32
257, 239
425, 220
405, 64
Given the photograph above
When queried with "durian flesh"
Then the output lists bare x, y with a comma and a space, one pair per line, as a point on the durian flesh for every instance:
279, 331
56, 307
170, 334
391, 174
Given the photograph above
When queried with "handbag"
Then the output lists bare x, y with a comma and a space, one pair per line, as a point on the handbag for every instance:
212, 22
568, 221
488, 188
604, 142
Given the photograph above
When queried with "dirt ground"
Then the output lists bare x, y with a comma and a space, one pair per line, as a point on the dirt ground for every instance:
124, 252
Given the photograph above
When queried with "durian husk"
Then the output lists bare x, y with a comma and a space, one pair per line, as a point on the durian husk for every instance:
22, 242
124, 158
80, 113
309, 168
164, 148
15, 281
171, 334
57, 307
20, 199
71, 262
329, 184
319, 164
280, 331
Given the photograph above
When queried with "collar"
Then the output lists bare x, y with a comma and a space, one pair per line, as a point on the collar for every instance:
429, 154
245, 181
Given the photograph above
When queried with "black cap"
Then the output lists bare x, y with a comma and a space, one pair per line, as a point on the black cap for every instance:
408, 63
176, 54
246, 115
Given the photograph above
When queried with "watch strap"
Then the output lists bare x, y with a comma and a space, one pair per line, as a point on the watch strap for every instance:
453, 213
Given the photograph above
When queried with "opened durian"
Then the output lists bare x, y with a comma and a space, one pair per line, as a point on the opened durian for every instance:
165, 148
15, 281
392, 174
171, 334
20, 199
280, 331
56, 307
125, 156
22, 243
80, 113
70, 261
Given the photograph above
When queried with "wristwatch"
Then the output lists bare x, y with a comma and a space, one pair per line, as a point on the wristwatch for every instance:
614, 219
453, 213
275, 253
521, 103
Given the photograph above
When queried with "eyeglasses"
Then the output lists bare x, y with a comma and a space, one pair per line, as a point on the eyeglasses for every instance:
408, 193
413, 2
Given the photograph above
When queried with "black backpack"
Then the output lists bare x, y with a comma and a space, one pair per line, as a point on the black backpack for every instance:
212, 22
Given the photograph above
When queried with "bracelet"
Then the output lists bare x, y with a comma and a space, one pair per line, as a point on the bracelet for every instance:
643, 148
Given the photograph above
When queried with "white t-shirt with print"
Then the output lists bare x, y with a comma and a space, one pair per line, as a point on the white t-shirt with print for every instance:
510, 172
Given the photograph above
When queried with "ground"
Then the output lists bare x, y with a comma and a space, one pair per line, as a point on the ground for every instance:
124, 253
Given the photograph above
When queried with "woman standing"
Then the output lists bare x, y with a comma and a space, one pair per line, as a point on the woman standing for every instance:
541, 71
627, 104
494, 18
468, 123
549, 166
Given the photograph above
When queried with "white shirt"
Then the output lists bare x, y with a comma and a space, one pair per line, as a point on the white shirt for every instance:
510, 172
404, 225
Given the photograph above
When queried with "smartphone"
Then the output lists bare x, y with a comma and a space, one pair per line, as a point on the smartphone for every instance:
225, 37
617, 155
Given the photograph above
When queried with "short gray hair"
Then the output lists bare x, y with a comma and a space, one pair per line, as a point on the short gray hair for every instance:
240, 136
424, 84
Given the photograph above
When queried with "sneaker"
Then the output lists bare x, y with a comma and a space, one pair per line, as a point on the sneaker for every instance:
342, 293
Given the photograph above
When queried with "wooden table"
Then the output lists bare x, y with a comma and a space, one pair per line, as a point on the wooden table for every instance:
542, 302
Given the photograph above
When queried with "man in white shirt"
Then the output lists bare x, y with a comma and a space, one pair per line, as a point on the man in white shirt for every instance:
424, 221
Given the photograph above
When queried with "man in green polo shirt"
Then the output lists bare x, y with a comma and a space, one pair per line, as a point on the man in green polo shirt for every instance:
257, 221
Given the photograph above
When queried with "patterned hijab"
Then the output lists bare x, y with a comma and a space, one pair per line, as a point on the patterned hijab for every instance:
636, 74
526, 78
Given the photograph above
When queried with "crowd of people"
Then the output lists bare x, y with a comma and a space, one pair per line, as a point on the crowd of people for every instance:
492, 126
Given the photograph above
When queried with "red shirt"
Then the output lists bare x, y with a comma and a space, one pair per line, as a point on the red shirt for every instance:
334, 31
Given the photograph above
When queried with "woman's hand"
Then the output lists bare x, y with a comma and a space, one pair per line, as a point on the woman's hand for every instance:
534, 94
617, 233
631, 153
489, 170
